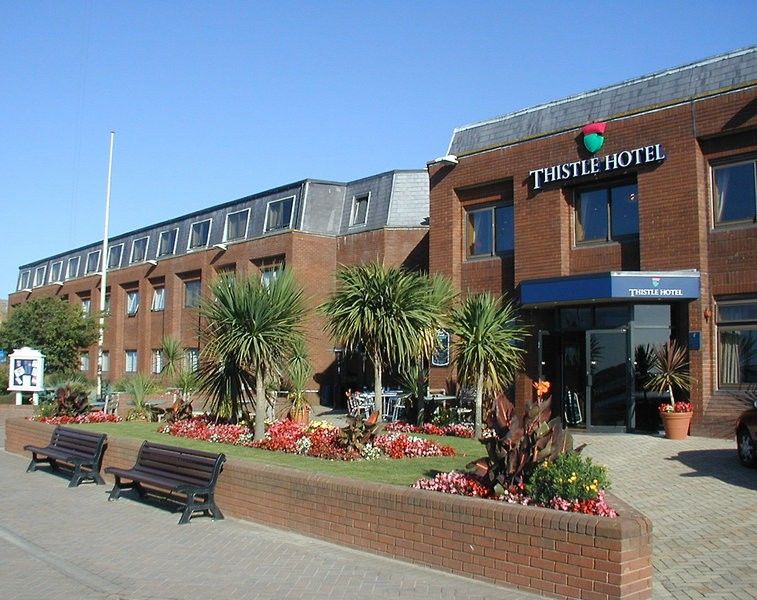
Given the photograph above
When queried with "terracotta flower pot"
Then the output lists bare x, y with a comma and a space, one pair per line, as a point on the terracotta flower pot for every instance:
300, 416
676, 424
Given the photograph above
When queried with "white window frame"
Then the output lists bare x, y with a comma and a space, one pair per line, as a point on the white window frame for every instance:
87, 270
131, 309
713, 190
75, 260
86, 306
57, 279
157, 361
23, 280
120, 255
175, 239
270, 272
39, 281
191, 358
354, 212
133, 244
246, 225
105, 361
187, 282
84, 362
266, 227
191, 248
135, 366
156, 306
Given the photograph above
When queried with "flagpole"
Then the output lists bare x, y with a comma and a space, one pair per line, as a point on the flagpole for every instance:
104, 273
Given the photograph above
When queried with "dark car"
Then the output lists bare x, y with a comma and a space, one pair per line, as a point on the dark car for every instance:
746, 436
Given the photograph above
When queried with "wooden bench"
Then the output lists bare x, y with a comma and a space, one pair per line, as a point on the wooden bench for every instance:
83, 450
192, 473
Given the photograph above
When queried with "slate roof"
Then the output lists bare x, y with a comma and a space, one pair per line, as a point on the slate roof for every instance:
717, 74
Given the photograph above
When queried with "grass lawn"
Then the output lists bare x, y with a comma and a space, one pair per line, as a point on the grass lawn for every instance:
401, 472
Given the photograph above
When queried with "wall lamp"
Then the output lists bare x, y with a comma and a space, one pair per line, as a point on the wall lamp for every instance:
447, 159
220, 246
152, 262
707, 314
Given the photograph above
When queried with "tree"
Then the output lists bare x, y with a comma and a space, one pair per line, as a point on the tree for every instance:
487, 351
251, 330
393, 314
54, 327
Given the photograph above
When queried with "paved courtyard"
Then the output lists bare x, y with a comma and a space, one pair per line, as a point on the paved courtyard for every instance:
61, 543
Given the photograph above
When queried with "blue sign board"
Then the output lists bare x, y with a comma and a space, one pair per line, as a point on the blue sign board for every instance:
3, 357
616, 285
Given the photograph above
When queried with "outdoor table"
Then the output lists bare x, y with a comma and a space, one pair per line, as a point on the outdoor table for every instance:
440, 398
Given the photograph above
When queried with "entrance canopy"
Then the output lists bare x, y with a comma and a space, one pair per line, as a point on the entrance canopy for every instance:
665, 286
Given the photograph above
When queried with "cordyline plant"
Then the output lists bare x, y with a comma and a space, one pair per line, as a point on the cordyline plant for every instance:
669, 370
516, 444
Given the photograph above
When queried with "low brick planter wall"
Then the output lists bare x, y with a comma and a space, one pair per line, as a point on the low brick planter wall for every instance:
558, 554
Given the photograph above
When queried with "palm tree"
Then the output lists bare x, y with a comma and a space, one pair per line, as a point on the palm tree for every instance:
487, 347
173, 357
250, 332
392, 313
298, 372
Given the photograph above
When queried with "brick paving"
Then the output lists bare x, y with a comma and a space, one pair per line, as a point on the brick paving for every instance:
703, 506
61, 543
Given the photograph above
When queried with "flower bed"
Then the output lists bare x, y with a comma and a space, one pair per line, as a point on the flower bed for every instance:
93, 417
455, 429
319, 439
678, 407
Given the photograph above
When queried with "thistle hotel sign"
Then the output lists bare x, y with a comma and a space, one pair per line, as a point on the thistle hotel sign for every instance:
598, 164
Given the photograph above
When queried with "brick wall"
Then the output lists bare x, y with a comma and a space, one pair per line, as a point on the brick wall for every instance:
553, 553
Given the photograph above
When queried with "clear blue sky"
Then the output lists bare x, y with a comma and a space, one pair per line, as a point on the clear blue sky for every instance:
212, 101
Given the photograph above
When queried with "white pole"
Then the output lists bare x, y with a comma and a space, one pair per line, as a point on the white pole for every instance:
104, 273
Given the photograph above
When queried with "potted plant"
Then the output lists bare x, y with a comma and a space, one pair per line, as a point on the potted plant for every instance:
669, 371
299, 371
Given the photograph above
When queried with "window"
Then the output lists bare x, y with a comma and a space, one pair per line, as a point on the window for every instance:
23, 280
270, 273
192, 293
158, 299
199, 234
737, 342
236, 225
359, 212
490, 230
86, 306
107, 302
56, 270
132, 302
440, 357
167, 242
72, 268
139, 250
735, 193
93, 262
606, 213
157, 361
191, 358
84, 361
39, 276
131, 361
106, 362
114, 256
278, 214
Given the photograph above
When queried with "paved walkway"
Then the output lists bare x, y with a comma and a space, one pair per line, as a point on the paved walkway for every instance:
703, 506
65, 543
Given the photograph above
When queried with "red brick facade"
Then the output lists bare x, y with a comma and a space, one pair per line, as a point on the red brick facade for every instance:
676, 229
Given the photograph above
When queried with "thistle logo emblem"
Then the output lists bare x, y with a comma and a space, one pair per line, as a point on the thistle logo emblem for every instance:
594, 136
655, 282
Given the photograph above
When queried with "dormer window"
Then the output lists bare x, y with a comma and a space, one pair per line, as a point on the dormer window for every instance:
39, 276
278, 214
56, 270
236, 225
139, 250
359, 212
72, 269
23, 280
167, 242
93, 262
114, 256
199, 234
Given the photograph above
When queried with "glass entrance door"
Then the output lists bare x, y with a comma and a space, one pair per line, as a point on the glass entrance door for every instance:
607, 379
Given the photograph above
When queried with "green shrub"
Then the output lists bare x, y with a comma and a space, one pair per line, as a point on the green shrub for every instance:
569, 476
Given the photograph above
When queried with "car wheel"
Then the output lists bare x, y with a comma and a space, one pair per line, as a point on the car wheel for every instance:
746, 447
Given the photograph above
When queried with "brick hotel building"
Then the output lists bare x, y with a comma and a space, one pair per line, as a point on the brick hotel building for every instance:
617, 219
157, 274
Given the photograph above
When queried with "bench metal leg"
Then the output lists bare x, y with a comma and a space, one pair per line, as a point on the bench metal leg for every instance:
32, 465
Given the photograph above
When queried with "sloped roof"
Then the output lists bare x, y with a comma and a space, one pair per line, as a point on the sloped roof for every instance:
720, 73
